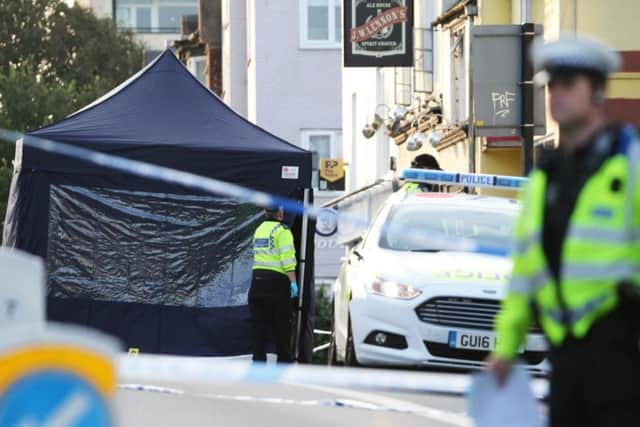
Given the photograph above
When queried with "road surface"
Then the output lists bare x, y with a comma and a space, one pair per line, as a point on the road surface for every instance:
235, 404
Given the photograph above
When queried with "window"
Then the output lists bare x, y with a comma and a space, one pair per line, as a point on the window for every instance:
323, 144
402, 78
423, 70
196, 65
153, 16
320, 24
490, 228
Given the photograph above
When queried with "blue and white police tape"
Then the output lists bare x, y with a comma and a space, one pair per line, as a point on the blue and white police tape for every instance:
186, 370
463, 179
159, 173
233, 191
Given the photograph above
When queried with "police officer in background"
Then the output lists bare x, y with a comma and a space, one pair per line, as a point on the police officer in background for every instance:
273, 285
577, 255
423, 161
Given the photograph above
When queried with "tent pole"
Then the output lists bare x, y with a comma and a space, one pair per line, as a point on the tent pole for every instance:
303, 257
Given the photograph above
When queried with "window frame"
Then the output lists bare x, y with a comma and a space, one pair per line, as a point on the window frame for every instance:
423, 80
331, 42
155, 6
403, 86
335, 143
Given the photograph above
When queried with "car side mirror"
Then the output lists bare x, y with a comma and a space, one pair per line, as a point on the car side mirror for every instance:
356, 241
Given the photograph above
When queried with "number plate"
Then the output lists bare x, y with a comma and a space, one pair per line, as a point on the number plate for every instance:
481, 341
472, 340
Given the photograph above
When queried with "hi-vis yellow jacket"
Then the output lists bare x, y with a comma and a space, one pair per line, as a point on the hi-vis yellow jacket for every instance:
601, 249
273, 248
413, 187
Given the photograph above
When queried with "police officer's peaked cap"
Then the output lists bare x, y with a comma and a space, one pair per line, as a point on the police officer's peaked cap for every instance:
573, 52
273, 209
425, 161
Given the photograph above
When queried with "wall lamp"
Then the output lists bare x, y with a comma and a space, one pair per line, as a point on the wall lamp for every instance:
415, 141
376, 120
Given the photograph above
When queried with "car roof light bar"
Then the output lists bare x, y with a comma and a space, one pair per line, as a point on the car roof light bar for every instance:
464, 179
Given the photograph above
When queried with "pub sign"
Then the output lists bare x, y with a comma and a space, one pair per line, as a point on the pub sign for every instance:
378, 33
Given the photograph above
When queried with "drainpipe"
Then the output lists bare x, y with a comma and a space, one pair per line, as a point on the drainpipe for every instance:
527, 121
471, 11
471, 105
210, 30
525, 11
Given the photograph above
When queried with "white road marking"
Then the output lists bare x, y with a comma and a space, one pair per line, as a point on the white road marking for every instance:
244, 398
452, 418
357, 400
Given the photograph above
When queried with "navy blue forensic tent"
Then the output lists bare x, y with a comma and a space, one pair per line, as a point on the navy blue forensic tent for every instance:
164, 268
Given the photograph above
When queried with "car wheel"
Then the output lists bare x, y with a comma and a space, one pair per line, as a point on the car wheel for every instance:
332, 357
350, 358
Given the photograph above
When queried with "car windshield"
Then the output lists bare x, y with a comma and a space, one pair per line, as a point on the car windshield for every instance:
420, 227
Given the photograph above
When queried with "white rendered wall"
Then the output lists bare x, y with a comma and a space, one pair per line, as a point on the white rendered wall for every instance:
290, 89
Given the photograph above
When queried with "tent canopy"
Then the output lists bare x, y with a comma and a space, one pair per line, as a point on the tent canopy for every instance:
164, 104
164, 268
164, 115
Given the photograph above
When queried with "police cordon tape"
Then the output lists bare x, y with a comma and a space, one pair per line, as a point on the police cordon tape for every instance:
147, 369
248, 195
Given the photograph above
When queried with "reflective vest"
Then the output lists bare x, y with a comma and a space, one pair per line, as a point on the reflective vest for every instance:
601, 249
414, 187
273, 248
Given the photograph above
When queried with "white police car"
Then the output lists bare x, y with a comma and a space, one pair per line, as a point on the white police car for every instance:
420, 290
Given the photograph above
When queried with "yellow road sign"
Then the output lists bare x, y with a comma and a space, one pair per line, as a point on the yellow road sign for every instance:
332, 175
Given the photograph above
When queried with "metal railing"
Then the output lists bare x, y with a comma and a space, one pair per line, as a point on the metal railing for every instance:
323, 346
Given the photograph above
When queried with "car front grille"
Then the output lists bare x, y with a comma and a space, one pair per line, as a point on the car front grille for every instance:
473, 313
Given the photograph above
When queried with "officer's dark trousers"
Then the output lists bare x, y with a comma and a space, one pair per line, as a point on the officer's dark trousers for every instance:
596, 380
271, 313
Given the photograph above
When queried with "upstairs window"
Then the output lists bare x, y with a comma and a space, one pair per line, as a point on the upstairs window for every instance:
320, 24
423, 70
153, 16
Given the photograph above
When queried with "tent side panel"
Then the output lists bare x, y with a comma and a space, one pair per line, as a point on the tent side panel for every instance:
27, 211
192, 325
222, 331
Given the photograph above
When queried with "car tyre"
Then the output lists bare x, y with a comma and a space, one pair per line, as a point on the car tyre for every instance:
350, 358
332, 356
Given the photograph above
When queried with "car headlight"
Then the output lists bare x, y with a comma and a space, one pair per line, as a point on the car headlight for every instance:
392, 289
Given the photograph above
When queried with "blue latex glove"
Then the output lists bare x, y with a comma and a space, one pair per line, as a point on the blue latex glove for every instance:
294, 289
